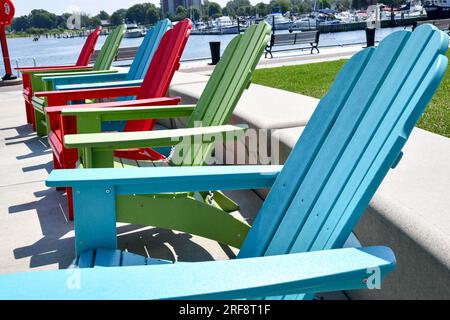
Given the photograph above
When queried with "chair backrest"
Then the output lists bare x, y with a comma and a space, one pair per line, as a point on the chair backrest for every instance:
147, 49
109, 49
230, 78
354, 137
165, 62
88, 47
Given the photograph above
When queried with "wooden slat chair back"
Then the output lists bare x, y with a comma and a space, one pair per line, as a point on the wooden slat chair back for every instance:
109, 49
354, 137
230, 78
145, 53
88, 47
165, 62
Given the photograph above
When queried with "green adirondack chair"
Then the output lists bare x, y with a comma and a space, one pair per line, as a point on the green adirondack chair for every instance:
214, 108
293, 250
102, 64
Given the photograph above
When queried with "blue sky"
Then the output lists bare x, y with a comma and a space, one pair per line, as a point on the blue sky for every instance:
90, 6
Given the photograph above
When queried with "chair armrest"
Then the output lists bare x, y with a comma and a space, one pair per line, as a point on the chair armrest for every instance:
300, 273
130, 113
115, 104
82, 85
57, 76
143, 139
87, 78
52, 68
61, 98
168, 179
64, 73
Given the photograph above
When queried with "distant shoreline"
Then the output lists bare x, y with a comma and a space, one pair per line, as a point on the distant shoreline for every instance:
50, 33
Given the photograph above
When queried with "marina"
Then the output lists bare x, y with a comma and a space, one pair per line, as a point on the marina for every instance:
29, 53
437, 9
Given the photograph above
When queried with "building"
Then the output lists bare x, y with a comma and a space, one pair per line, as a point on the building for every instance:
170, 6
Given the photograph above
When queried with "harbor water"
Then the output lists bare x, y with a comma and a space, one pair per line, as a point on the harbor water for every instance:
52, 51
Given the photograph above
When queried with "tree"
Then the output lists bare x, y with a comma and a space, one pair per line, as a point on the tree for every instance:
234, 5
262, 9
152, 14
249, 11
284, 5
136, 13
323, 4
94, 22
214, 9
63, 19
103, 15
180, 13
343, 5
359, 4
194, 13
118, 17
42, 19
20, 24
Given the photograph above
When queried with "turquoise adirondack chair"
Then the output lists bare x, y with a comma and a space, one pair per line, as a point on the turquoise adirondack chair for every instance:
352, 140
133, 77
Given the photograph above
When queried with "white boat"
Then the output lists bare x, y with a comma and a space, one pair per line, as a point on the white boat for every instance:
305, 23
134, 31
437, 9
200, 26
224, 25
281, 22
346, 17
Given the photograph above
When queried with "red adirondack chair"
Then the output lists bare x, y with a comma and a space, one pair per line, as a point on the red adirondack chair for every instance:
153, 90
82, 62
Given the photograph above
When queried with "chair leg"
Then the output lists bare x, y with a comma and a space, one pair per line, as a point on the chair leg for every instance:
69, 195
56, 166
41, 130
31, 118
29, 112
69, 163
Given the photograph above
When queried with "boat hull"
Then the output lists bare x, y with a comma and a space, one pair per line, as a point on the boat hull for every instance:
281, 26
229, 30
437, 12
134, 34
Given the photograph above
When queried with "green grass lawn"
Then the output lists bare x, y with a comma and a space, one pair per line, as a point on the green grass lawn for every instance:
315, 79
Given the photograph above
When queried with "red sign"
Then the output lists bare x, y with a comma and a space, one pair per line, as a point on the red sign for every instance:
6, 12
